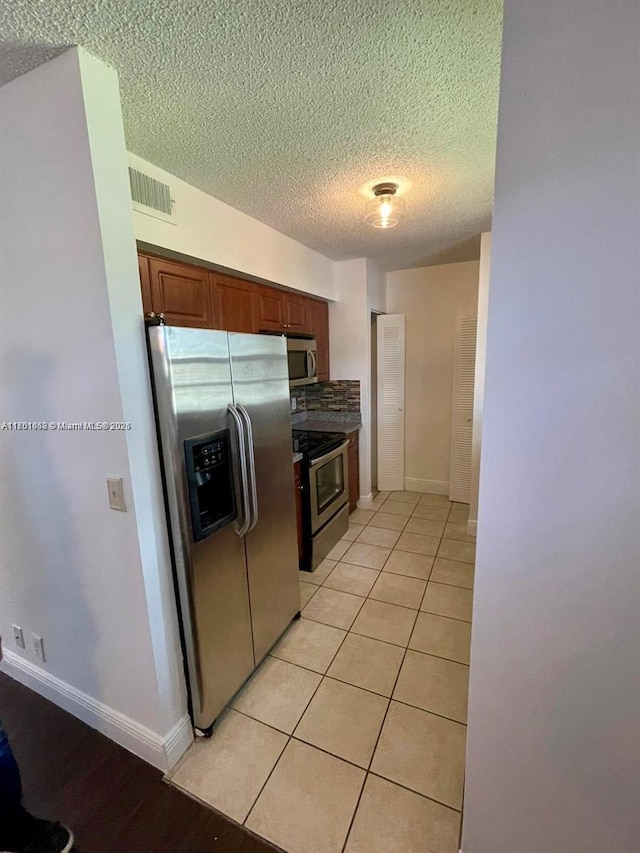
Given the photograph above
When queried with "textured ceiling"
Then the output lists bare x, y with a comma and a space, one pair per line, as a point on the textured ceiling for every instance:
291, 110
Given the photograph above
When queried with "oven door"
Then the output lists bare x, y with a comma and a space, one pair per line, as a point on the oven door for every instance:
328, 485
303, 362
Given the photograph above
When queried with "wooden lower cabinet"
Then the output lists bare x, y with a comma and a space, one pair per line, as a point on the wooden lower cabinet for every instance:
297, 477
354, 471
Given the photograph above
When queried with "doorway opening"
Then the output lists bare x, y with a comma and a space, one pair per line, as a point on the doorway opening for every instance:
374, 404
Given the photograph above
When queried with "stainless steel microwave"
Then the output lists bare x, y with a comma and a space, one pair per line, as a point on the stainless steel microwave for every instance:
303, 361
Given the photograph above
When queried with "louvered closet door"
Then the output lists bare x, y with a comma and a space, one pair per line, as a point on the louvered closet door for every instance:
390, 402
464, 365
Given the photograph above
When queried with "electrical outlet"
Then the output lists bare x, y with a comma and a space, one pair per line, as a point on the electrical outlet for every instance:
115, 487
38, 648
18, 636
294, 404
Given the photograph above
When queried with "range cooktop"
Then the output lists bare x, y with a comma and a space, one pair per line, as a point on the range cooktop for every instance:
314, 444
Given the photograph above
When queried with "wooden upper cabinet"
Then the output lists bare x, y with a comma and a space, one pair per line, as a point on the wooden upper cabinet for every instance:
189, 295
269, 309
296, 316
145, 284
318, 313
181, 292
233, 303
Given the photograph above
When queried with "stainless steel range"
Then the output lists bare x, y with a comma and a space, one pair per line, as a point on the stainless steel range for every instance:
325, 469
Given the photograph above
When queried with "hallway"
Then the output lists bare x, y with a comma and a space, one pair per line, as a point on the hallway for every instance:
351, 735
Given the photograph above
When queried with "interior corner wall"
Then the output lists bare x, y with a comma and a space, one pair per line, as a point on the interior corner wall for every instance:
478, 387
109, 163
210, 230
376, 304
71, 568
349, 342
431, 298
554, 703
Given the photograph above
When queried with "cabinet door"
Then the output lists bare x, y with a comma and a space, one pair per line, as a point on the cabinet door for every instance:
181, 292
232, 303
145, 284
319, 327
270, 309
296, 316
354, 472
297, 475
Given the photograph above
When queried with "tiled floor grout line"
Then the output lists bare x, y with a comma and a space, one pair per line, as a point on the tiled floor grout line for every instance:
373, 752
384, 719
417, 793
444, 616
413, 577
322, 675
406, 649
389, 699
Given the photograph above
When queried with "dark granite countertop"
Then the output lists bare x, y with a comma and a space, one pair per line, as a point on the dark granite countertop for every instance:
344, 422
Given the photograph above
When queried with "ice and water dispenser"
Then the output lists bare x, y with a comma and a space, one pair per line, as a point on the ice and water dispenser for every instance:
210, 480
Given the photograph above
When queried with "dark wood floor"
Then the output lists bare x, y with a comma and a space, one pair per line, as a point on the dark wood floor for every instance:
112, 800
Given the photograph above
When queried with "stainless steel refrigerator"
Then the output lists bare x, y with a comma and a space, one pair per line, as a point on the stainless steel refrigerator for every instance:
222, 410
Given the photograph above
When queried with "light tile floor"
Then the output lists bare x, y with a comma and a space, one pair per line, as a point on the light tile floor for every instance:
351, 735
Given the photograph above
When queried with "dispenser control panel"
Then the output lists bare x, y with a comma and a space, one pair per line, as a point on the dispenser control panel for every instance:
211, 484
208, 455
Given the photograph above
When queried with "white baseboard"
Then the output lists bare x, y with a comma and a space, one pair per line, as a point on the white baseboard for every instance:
434, 487
364, 501
472, 527
161, 752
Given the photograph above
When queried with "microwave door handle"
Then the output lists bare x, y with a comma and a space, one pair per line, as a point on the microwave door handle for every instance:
253, 491
312, 366
241, 528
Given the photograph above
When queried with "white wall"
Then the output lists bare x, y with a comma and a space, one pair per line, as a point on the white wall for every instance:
431, 298
209, 230
478, 388
553, 754
73, 570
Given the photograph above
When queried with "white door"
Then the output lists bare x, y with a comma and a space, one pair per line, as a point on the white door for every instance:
390, 340
464, 365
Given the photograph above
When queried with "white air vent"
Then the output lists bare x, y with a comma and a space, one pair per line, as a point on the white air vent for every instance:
151, 196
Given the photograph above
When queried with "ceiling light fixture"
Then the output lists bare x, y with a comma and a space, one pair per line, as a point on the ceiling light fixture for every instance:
386, 209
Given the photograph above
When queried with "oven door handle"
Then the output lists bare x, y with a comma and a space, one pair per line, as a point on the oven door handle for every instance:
330, 455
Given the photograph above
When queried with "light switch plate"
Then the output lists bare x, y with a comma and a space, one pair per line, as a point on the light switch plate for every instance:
115, 487
18, 636
38, 648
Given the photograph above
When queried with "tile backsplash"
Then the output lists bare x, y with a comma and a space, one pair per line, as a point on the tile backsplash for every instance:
299, 396
342, 395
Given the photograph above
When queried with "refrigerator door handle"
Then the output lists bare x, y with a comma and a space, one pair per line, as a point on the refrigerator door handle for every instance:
241, 529
252, 465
